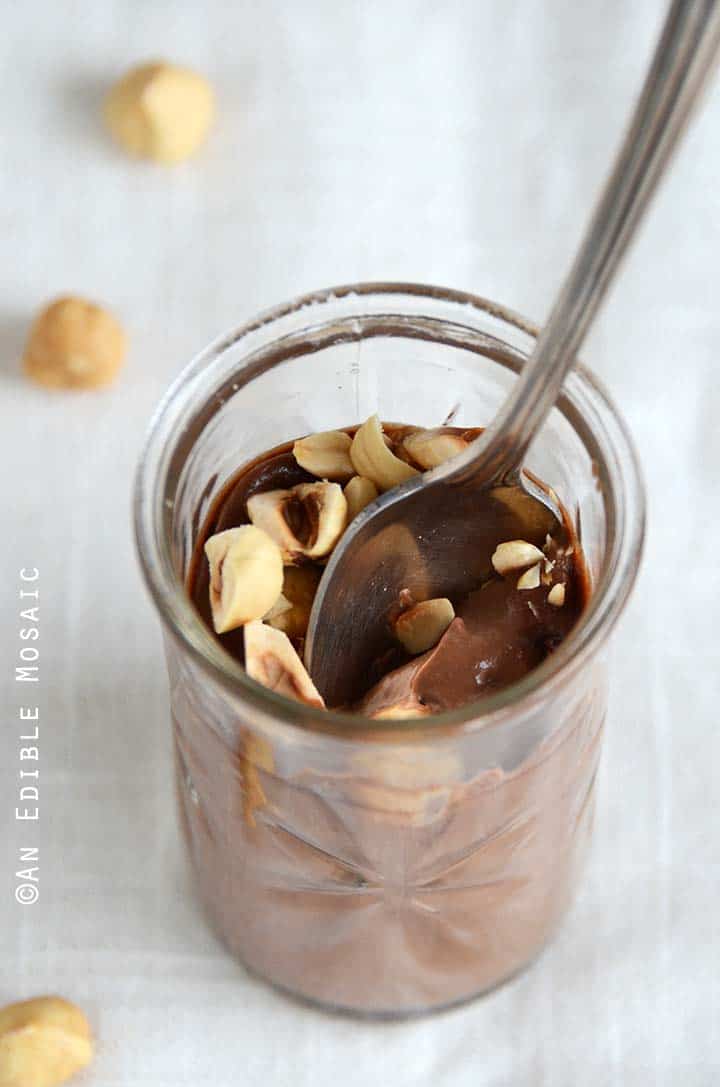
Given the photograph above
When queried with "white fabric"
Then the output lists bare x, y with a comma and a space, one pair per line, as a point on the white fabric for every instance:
459, 143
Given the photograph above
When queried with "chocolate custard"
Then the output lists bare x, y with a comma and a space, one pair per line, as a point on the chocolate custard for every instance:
500, 631
380, 870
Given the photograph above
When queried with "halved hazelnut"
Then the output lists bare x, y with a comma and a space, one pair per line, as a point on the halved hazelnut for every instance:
326, 455
359, 492
271, 660
531, 578
515, 555
556, 596
299, 586
423, 625
428, 448
372, 458
305, 521
246, 576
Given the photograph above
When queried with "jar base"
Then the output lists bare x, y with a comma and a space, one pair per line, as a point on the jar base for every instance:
382, 1015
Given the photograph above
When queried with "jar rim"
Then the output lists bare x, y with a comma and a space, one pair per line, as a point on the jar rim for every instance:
182, 621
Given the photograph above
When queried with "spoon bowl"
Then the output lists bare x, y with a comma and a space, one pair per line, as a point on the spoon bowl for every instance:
433, 536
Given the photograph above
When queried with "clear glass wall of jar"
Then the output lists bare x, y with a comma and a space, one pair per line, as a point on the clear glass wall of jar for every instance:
382, 867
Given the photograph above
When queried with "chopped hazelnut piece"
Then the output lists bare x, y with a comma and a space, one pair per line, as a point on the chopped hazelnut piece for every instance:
326, 455
556, 596
298, 593
530, 579
423, 625
270, 659
305, 521
515, 555
372, 459
246, 576
428, 448
359, 492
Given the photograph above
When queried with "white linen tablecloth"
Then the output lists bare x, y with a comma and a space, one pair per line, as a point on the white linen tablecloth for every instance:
458, 143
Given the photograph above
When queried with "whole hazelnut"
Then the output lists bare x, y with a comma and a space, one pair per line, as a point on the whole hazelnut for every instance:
43, 1042
74, 344
160, 111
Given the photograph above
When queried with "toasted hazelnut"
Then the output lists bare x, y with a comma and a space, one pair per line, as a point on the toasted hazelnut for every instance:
423, 625
246, 576
556, 596
270, 659
531, 578
43, 1042
372, 458
359, 492
160, 111
428, 448
299, 586
305, 521
326, 455
514, 555
74, 344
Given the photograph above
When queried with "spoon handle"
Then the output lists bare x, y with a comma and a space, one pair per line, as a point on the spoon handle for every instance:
683, 59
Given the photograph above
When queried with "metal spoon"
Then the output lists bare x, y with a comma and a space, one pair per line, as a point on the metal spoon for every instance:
427, 535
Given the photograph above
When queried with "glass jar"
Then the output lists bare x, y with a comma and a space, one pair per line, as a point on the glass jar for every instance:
384, 867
